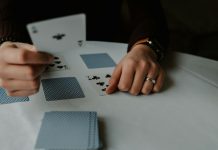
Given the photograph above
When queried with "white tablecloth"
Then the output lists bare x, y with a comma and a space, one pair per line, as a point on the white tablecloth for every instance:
182, 117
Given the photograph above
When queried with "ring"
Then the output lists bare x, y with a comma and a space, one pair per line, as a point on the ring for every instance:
150, 79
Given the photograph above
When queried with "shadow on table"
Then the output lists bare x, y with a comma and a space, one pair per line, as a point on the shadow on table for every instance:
102, 133
169, 63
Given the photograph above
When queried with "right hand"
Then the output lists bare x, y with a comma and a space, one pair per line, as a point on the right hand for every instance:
20, 68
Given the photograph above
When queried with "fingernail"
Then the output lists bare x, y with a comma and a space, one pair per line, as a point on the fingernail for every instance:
108, 91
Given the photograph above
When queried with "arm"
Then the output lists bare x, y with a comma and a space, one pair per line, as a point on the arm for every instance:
139, 71
20, 64
147, 20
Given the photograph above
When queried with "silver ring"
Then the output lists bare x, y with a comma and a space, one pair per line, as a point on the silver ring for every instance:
150, 79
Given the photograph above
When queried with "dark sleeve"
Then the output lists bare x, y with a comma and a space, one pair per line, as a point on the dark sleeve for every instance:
11, 27
147, 20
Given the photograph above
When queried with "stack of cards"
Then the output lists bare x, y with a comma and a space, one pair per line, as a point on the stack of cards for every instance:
69, 130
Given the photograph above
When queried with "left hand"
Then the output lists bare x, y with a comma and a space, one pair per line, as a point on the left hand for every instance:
131, 72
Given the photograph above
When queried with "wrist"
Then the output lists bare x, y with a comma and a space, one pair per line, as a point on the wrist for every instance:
153, 46
144, 50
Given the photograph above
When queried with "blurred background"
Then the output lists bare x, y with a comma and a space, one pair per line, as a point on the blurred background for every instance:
193, 26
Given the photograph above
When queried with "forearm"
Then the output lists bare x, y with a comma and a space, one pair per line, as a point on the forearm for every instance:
148, 20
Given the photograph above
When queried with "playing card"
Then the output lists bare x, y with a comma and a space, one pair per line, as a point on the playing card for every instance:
70, 130
99, 82
58, 34
61, 88
98, 60
59, 64
5, 99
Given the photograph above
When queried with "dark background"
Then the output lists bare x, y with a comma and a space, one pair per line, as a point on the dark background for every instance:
193, 26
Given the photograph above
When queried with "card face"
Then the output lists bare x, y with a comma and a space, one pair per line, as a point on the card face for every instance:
58, 34
70, 130
99, 82
5, 99
62, 88
98, 60
59, 64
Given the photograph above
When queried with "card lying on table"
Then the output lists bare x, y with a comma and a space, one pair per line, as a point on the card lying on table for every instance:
98, 60
62, 88
58, 34
5, 99
69, 130
99, 82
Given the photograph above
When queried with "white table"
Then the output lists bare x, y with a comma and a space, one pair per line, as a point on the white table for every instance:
182, 117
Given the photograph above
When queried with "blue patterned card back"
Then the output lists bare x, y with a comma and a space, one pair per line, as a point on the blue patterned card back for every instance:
70, 130
5, 99
62, 88
98, 60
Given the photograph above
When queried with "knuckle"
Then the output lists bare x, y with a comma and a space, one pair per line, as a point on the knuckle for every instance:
133, 92
145, 91
10, 93
34, 85
30, 73
4, 84
156, 89
6, 43
22, 56
154, 65
131, 63
123, 87
143, 65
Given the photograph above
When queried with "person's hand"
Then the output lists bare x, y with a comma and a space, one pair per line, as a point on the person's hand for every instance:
136, 71
20, 68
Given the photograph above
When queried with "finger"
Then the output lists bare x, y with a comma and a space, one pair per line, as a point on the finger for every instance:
160, 81
147, 87
126, 78
14, 85
25, 46
19, 45
114, 80
153, 71
139, 80
24, 56
22, 72
21, 93
8, 44
148, 84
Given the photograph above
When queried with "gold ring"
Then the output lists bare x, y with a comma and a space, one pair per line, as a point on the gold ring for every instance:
150, 79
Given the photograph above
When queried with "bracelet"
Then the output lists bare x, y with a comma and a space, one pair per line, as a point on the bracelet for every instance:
155, 46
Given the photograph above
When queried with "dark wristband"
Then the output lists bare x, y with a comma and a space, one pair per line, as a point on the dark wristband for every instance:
155, 46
